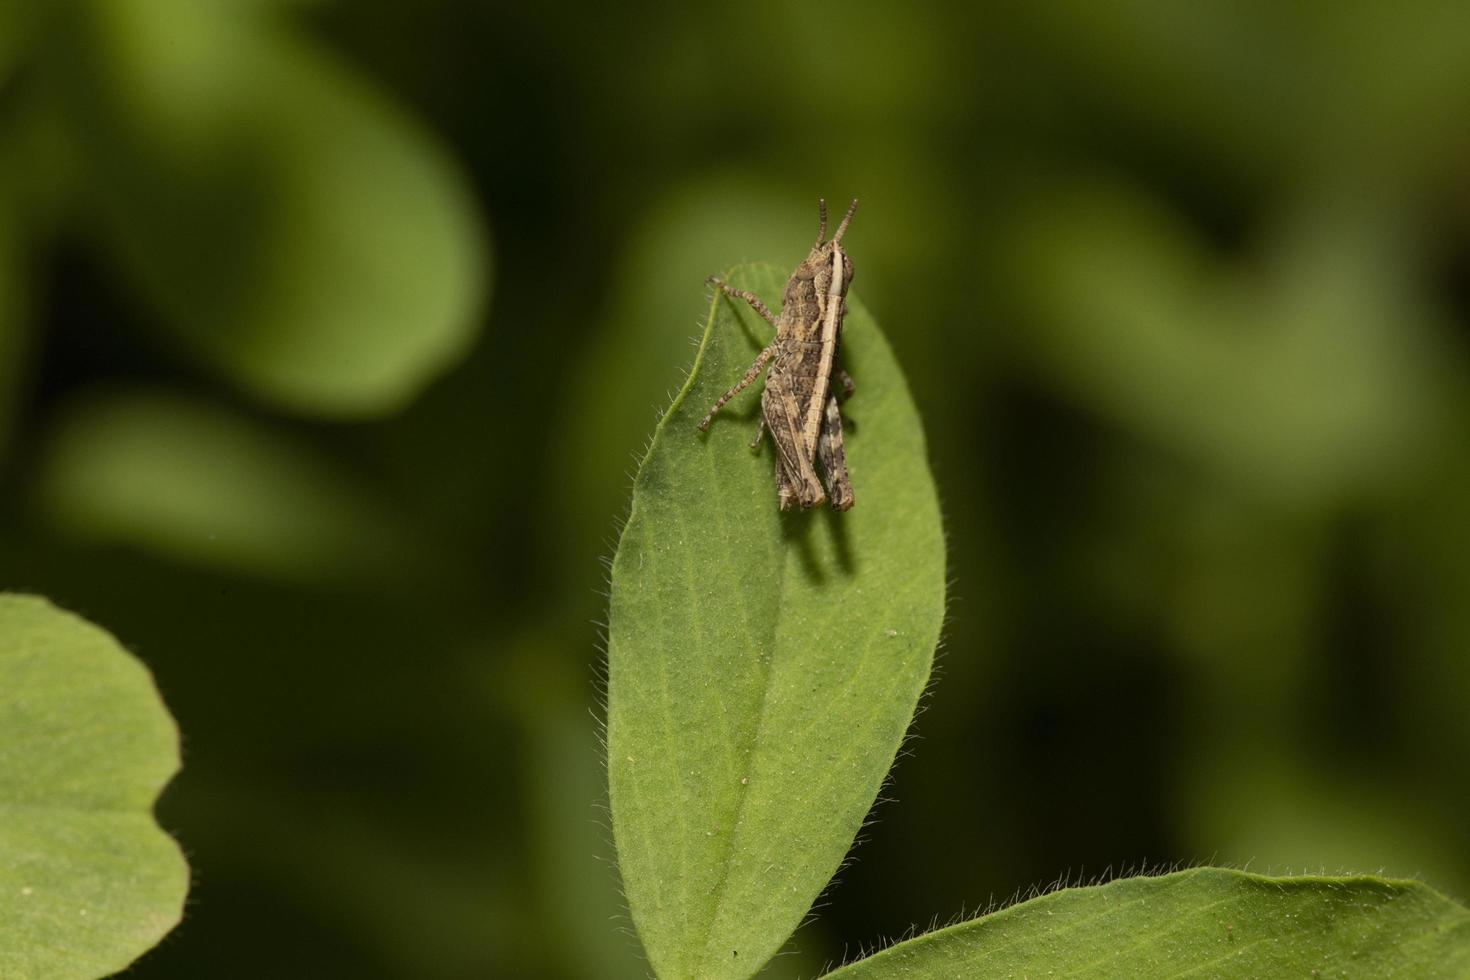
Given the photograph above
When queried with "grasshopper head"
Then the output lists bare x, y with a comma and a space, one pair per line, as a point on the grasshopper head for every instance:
820, 259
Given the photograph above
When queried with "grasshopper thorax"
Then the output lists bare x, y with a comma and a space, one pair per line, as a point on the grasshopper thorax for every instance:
809, 289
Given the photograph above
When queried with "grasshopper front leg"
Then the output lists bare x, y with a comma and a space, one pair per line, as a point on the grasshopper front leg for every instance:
756, 303
741, 385
760, 361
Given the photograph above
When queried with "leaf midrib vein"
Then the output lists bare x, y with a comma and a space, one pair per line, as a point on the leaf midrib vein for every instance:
766, 664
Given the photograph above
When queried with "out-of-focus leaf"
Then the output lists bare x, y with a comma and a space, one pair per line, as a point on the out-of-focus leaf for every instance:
1315, 379
762, 667
1208, 922
88, 881
286, 222
199, 484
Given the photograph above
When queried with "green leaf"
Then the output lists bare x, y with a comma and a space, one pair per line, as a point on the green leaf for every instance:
763, 668
88, 882
1208, 922
203, 485
1311, 372
288, 224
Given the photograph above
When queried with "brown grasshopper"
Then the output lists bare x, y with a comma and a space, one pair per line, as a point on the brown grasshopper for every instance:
798, 406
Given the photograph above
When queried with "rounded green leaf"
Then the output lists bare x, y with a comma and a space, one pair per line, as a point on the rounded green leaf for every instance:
763, 667
1205, 923
88, 881
287, 223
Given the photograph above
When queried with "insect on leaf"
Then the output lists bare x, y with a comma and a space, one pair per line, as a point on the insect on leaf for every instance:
763, 667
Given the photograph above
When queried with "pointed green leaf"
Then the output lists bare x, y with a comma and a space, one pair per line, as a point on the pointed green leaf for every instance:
763, 667
1207, 922
88, 882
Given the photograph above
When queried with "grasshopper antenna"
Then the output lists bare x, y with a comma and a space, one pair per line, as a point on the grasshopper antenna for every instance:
843, 227
821, 219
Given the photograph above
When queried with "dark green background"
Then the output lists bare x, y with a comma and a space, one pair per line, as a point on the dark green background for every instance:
1180, 290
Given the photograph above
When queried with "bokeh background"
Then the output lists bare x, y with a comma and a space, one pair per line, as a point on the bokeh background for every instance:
329, 333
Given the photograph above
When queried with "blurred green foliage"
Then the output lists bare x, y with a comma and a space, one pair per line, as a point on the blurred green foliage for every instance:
283, 220
1180, 291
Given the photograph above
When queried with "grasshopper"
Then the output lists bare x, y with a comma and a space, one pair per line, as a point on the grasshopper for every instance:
798, 407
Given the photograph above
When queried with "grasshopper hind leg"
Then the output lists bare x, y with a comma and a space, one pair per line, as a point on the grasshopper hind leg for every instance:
797, 485
831, 452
